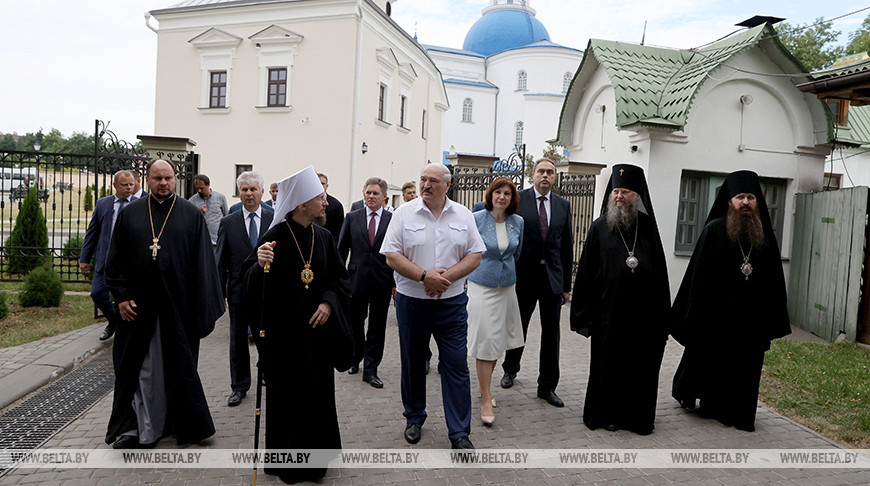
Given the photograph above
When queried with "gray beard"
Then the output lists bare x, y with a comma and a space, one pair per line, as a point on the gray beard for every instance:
744, 228
621, 217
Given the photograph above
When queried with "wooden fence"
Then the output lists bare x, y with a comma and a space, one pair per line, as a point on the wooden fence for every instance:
827, 263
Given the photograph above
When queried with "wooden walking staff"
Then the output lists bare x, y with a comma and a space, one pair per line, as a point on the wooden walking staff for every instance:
257, 411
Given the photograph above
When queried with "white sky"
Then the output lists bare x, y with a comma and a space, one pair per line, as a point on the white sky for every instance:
64, 63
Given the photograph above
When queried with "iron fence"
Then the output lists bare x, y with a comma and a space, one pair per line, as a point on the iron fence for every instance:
68, 186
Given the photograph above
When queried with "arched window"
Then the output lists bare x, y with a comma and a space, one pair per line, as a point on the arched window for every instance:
467, 107
566, 82
519, 133
522, 81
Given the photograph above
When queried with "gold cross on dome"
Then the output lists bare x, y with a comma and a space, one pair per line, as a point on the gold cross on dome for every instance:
621, 171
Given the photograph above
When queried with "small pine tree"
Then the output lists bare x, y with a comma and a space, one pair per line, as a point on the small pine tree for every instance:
4, 307
73, 247
42, 287
89, 199
102, 191
27, 246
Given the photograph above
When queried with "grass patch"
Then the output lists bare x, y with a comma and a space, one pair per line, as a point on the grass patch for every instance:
67, 286
823, 386
24, 325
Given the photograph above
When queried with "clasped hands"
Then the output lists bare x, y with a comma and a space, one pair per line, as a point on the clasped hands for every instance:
436, 283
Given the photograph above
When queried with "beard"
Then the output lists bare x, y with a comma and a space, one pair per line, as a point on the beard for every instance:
744, 227
621, 217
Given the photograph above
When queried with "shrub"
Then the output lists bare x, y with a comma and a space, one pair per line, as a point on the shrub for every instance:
27, 246
4, 309
42, 287
89, 199
72, 249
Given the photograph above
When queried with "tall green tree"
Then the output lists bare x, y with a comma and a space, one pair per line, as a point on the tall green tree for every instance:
812, 45
859, 41
27, 245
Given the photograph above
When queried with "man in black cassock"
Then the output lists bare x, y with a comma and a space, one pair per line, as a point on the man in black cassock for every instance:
160, 270
302, 307
621, 300
731, 304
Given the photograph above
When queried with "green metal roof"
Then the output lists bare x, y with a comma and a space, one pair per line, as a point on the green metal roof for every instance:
655, 86
858, 130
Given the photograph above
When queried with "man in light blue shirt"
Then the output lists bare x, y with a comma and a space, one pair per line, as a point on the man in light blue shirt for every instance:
212, 204
432, 244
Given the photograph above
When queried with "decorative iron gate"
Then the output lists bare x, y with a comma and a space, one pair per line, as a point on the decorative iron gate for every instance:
579, 190
468, 184
68, 186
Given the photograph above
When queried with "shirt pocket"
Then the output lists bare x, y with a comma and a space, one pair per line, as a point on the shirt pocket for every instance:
413, 234
458, 233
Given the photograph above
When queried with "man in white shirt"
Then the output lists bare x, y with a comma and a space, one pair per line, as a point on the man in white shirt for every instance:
432, 244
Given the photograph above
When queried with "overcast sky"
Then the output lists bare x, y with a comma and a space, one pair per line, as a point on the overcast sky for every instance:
64, 63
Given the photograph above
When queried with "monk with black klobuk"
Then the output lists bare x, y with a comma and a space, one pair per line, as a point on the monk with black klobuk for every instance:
731, 304
301, 306
621, 300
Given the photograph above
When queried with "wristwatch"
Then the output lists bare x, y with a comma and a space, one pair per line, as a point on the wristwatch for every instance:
423, 277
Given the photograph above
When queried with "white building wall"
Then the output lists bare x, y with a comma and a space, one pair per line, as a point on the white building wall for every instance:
319, 127
475, 137
777, 138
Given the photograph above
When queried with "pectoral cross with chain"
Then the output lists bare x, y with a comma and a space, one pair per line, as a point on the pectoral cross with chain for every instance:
154, 247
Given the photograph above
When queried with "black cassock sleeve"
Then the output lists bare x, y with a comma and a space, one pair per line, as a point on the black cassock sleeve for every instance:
586, 299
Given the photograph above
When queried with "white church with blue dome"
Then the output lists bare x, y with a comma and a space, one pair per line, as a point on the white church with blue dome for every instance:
506, 85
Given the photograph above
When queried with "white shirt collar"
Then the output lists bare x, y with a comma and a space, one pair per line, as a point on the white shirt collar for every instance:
538, 195
258, 212
369, 211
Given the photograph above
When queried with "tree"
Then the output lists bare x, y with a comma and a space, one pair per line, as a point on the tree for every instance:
810, 44
89, 199
27, 246
859, 41
7, 143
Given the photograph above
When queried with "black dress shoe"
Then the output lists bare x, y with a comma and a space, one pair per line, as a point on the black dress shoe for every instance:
507, 380
611, 428
126, 442
373, 380
353, 370
108, 332
462, 443
688, 403
413, 433
551, 398
235, 398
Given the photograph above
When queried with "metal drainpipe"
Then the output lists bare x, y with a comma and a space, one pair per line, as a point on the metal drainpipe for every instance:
354, 151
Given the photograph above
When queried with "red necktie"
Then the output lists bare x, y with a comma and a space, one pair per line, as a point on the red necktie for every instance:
542, 212
372, 227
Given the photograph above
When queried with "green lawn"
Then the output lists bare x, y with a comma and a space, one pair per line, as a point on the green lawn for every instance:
24, 325
823, 386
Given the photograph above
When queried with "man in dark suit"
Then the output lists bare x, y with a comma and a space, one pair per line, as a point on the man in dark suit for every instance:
96, 245
238, 234
543, 275
334, 210
371, 280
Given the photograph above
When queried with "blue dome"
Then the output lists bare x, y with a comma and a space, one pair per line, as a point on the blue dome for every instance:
501, 30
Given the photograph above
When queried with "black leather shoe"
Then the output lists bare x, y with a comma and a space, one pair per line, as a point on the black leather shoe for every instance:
413, 433
373, 380
611, 428
427, 366
507, 380
126, 442
551, 398
462, 443
688, 403
108, 332
353, 370
235, 398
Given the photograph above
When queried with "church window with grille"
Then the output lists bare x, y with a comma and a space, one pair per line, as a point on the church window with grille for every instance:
467, 107
522, 81
519, 134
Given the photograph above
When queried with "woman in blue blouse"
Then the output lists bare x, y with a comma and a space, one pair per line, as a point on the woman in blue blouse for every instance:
493, 312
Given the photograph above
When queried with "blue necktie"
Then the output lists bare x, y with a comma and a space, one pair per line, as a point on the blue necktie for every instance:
252, 230
121, 204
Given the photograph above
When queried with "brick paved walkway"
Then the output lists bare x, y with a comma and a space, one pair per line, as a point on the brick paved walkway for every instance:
372, 418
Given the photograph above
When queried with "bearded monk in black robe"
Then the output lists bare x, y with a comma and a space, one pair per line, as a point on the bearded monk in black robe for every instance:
621, 300
306, 329
731, 304
169, 297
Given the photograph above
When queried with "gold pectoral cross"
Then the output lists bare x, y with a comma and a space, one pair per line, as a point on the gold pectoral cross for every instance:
154, 247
